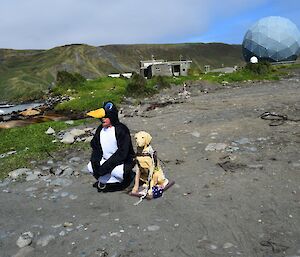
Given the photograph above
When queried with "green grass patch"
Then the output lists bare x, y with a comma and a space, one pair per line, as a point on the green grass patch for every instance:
92, 94
31, 143
241, 76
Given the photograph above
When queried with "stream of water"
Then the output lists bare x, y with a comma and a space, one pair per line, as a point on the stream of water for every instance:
17, 108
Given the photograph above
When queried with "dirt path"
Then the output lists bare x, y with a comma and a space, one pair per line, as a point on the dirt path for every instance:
237, 187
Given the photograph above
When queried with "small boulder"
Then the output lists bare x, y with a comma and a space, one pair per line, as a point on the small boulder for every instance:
69, 122
43, 241
77, 132
68, 139
88, 139
50, 131
215, 147
30, 112
18, 172
31, 177
25, 239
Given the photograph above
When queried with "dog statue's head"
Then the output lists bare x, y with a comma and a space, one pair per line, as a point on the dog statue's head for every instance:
142, 139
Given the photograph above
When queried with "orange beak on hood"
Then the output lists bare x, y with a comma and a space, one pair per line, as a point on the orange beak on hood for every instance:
99, 113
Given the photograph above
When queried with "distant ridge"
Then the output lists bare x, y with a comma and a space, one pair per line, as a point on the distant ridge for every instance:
25, 74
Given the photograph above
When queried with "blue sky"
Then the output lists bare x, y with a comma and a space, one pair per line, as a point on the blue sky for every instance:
44, 24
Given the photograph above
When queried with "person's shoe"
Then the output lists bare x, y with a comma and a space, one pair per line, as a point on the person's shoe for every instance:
100, 186
95, 185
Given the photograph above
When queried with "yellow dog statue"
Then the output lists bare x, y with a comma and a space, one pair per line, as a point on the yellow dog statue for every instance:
148, 168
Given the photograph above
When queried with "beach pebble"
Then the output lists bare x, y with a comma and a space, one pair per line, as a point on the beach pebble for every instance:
153, 228
68, 139
43, 241
25, 239
62, 233
18, 172
73, 197
50, 131
196, 134
215, 147
68, 224
227, 245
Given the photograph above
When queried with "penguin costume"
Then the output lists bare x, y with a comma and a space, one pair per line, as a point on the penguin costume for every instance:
112, 158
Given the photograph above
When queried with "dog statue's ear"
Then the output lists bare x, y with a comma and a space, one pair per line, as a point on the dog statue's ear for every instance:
148, 138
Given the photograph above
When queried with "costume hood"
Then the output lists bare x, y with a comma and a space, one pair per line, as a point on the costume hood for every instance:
108, 110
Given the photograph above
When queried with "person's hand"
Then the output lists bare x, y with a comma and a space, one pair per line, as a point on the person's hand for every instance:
96, 169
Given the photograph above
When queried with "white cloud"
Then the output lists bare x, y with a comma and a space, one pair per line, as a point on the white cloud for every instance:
48, 23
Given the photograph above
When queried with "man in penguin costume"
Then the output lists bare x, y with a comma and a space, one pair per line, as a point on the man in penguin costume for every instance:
112, 158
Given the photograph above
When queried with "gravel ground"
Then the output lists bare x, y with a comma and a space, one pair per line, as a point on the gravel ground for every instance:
237, 190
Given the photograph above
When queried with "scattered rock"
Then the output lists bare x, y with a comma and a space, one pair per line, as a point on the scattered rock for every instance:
215, 147
30, 112
296, 164
75, 159
243, 141
50, 131
256, 166
251, 149
196, 134
62, 233
25, 239
231, 166
77, 132
227, 245
69, 122
68, 224
43, 241
17, 173
7, 154
64, 194
153, 228
88, 139
31, 177
4, 183
68, 139
68, 171
73, 197
212, 247
84, 169
50, 162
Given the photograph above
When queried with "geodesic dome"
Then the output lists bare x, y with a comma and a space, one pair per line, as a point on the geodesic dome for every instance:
273, 39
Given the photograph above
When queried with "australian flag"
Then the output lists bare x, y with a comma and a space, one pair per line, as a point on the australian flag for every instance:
157, 191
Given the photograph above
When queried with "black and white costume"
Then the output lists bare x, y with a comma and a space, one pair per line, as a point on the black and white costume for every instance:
112, 154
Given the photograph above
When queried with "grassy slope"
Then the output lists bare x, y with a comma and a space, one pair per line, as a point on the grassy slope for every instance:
26, 74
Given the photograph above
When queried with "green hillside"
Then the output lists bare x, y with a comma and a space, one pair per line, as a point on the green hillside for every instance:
26, 74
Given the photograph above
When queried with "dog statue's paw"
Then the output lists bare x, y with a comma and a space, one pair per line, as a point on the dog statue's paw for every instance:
135, 190
150, 192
